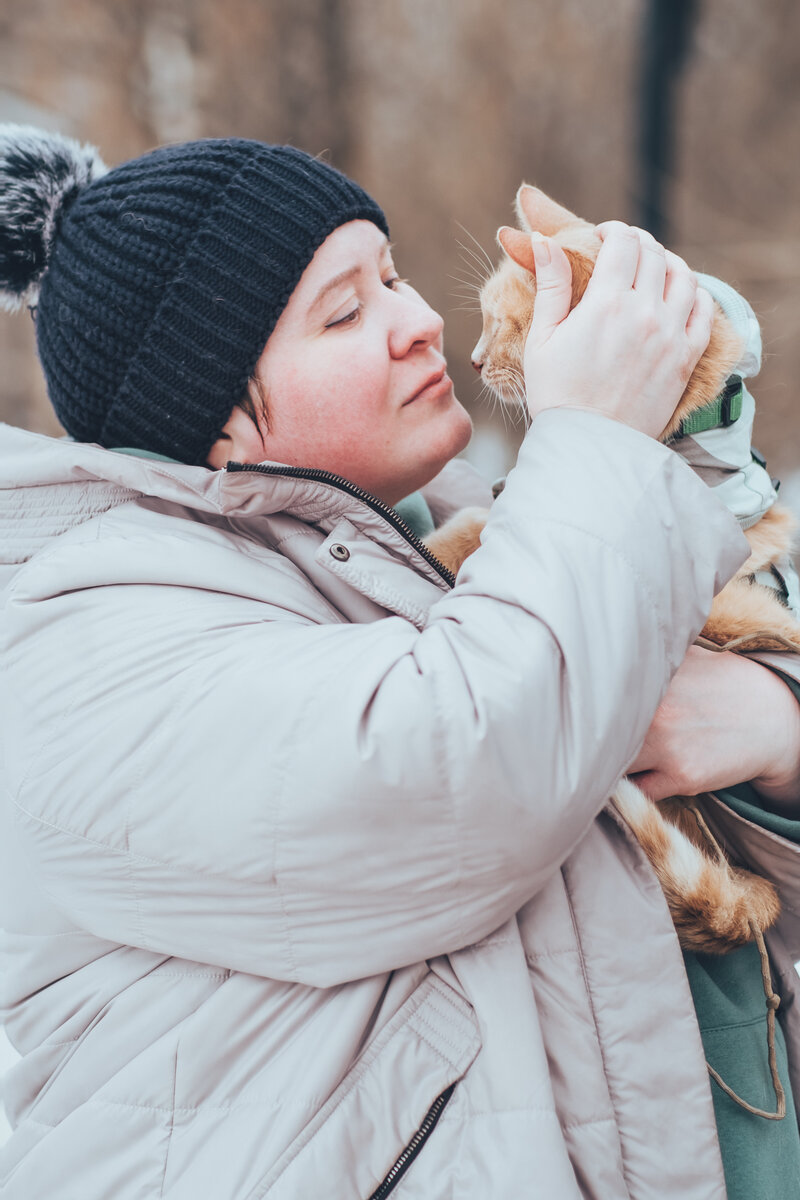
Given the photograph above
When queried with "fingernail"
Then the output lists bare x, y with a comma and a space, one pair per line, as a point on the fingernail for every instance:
541, 249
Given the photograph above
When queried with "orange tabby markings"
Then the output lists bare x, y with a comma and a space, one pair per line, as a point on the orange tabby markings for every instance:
712, 903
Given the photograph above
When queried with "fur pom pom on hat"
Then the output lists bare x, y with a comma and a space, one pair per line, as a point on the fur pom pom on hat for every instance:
40, 174
157, 283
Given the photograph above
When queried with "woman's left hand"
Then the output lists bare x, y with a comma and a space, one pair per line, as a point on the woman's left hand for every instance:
725, 719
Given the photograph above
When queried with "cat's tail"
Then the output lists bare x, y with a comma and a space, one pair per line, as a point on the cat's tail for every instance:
712, 903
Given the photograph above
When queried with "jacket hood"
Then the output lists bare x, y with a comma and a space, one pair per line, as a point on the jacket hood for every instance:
742, 318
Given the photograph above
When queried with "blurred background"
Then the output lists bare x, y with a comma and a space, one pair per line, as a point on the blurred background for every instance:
680, 115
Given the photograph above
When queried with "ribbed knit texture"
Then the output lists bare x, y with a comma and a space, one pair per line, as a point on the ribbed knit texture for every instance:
168, 275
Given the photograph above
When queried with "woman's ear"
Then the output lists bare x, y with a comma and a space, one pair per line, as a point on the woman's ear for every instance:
241, 440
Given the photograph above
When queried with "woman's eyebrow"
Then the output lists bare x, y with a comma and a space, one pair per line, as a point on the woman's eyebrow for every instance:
344, 276
337, 281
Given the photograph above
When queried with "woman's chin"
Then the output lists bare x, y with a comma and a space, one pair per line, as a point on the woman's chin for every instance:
459, 433
440, 449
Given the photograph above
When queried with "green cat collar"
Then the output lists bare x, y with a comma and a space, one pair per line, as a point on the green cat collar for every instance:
723, 411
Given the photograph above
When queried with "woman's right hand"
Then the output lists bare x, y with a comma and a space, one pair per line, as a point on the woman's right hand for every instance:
629, 346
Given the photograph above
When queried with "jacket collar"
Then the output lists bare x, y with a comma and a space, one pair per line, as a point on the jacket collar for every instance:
49, 485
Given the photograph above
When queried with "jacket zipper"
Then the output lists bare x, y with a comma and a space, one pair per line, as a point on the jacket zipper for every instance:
414, 1146
384, 510
344, 485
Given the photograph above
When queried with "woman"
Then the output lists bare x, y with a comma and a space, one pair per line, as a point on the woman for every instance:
309, 883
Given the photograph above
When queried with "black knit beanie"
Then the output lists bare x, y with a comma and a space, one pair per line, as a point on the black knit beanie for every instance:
156, 284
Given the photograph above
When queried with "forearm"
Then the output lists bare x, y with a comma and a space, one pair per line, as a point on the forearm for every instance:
725, 719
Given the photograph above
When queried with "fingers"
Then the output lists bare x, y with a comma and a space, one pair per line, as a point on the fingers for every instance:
680, 288
698, 327
658, 273
651, 269
651, 273
618, 259
657, 269
553, 287
655, 785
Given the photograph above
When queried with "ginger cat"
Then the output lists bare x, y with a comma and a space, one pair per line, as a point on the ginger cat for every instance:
712, 902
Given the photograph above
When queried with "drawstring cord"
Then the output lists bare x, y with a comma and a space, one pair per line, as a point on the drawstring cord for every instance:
772, 1000
735, 643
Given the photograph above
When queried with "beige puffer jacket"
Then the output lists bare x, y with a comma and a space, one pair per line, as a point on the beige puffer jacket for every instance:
296, 837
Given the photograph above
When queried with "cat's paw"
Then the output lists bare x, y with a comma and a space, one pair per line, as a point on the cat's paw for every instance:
459, 537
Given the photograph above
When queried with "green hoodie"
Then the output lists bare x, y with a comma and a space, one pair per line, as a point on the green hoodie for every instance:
761, 1158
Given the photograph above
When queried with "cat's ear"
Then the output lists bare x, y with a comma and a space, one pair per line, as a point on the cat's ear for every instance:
517, 246
537, 211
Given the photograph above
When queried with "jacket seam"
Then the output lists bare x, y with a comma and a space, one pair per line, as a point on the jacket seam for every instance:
450, 1019
63, 933
135, 856
64, 716
273, 550
619, 553
598, 1039
760, 1020
428, 1038
533, 956
440, 756
156, 975
386, 597
510, 1110
527, 1110
280, 542
129, 871
171, 1121
312, 1106
453, 1024
277, 842
589, 1121
428, 1032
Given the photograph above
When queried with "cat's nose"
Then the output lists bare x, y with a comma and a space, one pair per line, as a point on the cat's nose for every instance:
477, 365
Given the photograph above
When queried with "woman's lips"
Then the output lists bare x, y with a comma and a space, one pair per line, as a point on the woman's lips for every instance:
438, 385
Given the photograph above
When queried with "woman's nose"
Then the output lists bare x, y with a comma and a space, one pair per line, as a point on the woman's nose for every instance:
420, 325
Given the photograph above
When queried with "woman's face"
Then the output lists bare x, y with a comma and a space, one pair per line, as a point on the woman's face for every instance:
354, 376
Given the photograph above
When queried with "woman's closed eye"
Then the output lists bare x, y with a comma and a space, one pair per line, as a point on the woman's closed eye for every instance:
347, 319
350, 317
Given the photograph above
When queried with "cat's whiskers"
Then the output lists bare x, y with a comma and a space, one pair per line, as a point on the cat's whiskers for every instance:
522, 414
487, 393
466, 287
468, 273
469, 285
508, 384
474, 264
486, 258
512, 415
468, 292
